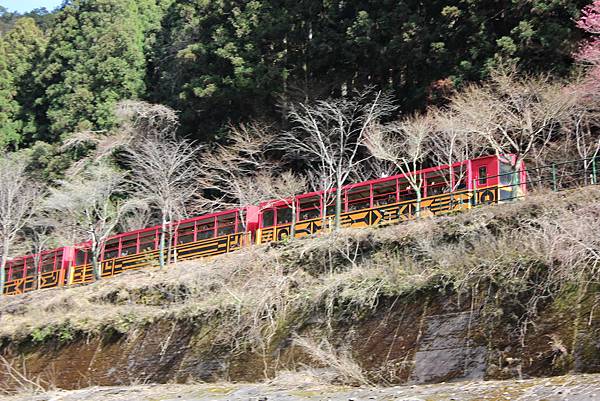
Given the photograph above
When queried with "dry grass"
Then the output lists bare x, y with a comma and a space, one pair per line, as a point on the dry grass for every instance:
340, 362
16, 380
537, 247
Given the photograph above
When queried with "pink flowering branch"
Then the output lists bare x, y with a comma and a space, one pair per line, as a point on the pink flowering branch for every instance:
590, 18
589, 52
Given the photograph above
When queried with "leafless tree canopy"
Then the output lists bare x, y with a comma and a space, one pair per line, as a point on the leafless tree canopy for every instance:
513, 113
329, 134
138, 120
20, 197
233, 170
405, 144
165, 173
451, 141
85, 207
150, 119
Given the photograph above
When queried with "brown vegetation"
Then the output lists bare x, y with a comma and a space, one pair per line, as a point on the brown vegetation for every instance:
516, 257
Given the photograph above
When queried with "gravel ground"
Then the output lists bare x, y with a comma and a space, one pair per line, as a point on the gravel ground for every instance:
572, 388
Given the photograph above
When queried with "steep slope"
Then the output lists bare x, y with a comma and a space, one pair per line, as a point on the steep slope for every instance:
498, 292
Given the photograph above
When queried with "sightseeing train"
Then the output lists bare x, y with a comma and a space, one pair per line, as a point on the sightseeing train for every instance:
444, 189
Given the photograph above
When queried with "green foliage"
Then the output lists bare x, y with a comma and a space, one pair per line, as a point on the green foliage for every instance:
64, 332
220, 61
43, 18
225, 61
21, 50
41, 334
95, 58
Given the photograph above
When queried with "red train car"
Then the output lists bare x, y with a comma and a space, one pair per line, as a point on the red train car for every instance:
443, 189
44, 270
390, 199
207, 235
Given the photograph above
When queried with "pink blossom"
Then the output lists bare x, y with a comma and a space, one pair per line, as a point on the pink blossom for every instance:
589, 51
590, 18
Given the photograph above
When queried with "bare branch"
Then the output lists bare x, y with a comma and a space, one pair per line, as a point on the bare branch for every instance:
20, 198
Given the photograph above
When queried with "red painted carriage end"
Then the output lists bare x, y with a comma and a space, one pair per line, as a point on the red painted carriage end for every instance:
253, 218
67, 263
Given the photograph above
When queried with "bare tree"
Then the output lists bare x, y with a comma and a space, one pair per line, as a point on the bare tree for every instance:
512, 113
329, 133
88, 206
165, 172
136, 219
19, 199
404, 143
373, 168
581, 125
137, 120
281, 188
452, 142
233, 170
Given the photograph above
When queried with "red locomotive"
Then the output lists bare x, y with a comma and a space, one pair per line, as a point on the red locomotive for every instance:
444, 189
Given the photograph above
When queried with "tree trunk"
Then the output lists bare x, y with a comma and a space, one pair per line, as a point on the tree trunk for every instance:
338, 206
95, 263
418, 206
294, 219
169, 244
3, 266
323, 211
161, 245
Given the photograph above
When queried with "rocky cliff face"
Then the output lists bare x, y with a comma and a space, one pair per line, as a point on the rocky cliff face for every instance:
506, 291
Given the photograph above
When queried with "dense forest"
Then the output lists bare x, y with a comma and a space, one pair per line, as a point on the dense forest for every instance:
222, 62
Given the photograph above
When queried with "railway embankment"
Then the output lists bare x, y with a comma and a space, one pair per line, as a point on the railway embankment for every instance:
503, 291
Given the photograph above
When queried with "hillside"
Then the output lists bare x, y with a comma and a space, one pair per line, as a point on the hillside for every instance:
230, 62
503, 291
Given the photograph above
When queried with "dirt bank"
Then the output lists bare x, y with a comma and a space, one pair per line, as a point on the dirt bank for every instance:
506, 291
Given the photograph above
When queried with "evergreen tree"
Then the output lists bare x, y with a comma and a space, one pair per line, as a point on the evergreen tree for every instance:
21, 50
223, 61
95, 57
223, 58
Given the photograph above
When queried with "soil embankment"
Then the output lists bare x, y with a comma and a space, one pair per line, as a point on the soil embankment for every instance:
501, 292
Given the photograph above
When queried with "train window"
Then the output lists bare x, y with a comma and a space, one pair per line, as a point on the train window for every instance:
438, 182
460, 177
129, 245
81, 257
310, 208
406, 190
110, 254
241, 221
31, 267
268, 218
507, 173
384, 193
482, 175
148, 241
226, 224
330, 209
111, 249
17, 269
185, 232
284, 215
205, 229
47, 262
358, 198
